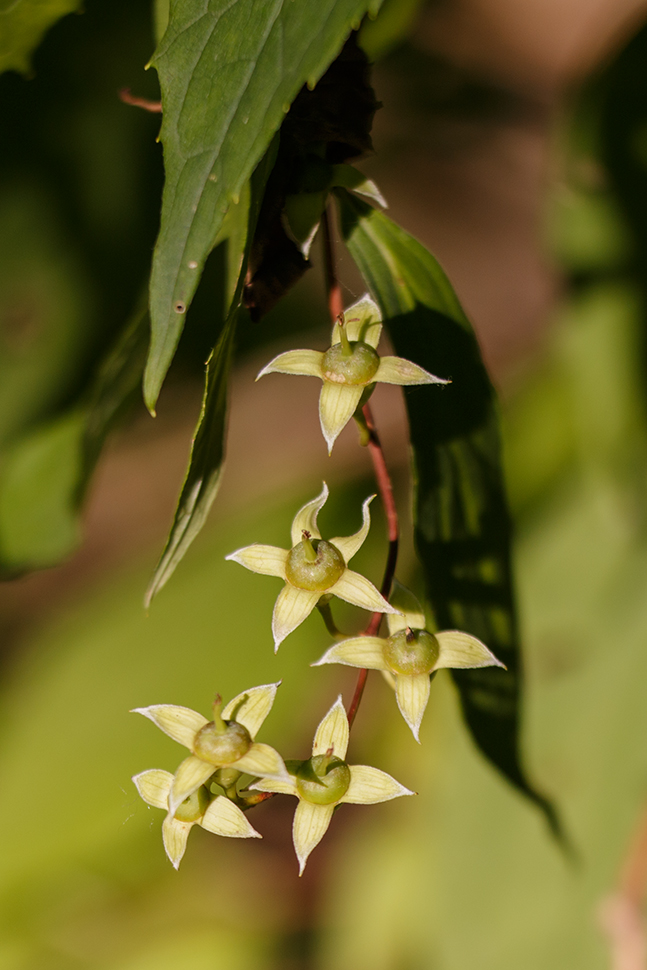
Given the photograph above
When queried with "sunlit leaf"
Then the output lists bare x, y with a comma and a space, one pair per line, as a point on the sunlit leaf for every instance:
22, 26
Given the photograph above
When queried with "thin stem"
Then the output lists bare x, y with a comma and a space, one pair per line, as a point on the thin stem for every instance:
333, 287
331, 626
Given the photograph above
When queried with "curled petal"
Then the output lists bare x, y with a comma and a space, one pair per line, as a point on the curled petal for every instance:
174, 836
368, 786
308, 829
363, 321
413, 614
333, 732
192, 773
397, 370
337, 404
267, 560
154, 787
306, 517
349, 545
261, 759
459, 649
224, 818
364, 652
180, 723
305, 363
292, 607
412, 694
252, 706
359, 591
272, 784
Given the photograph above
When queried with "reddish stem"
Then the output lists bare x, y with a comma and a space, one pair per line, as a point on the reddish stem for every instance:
155, 107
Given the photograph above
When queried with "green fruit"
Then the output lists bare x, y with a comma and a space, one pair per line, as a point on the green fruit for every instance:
222, 747
357, 368
323, 779
193, 807
322, 573
411, 652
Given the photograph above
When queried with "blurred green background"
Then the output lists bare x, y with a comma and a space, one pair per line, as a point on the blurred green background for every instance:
490, 167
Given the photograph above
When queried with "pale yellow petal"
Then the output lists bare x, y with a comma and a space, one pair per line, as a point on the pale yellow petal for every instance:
389, 678
274, 785
305, 363
180, 723
192, 773
261, 759
292, 607
413, 614
459, 649
337, 404
364, 652
154, 787
306, 518
359, 591
412, 694
224, 818
368, 786
267, 560
252, 706
397, 370
362, 320
174, 836
349, 545
308, 829
333, 732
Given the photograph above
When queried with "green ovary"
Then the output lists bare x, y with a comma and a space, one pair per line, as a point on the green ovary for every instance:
193, 807
411, 652
323, 779
222, 747
319, 574
357, 368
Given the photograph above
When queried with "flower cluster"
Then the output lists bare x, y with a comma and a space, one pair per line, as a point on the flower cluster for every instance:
227, 771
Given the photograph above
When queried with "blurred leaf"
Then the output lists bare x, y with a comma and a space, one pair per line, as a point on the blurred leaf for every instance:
22, 26
391, 26
225, 90
462, 526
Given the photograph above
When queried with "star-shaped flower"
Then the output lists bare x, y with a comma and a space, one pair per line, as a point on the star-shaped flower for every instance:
325, 780
218, 815
311, 568
350, 367
410, 655
225, 742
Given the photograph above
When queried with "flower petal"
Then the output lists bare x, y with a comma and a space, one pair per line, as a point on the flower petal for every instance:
413, 614
180, 723
272, 784
397, 370
363, 321
364, 652
308, 829
224, 818
261, 759
359, 591
154, 787
267, 560
174, 836
349, 545
412, 694
292, 607
192, 773
459, 649
306, 517
337, 404
306, 363
333, 732
368, 786
255, 705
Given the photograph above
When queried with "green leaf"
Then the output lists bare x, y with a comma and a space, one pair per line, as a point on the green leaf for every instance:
228, 73
22, 26
462, 525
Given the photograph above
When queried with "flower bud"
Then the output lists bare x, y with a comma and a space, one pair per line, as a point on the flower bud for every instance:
222, 748
355, 368
323, 779
193, 807
319, 574
411, 652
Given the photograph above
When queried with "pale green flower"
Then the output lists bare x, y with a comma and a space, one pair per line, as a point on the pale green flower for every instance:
410, 655
225, 742
325, 780
218, 815
350, 367
313, 567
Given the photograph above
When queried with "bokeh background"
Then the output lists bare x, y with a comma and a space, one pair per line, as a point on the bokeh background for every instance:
499, 145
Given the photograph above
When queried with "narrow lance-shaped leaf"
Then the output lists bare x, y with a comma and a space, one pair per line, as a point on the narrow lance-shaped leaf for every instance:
228, 72
462, 524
